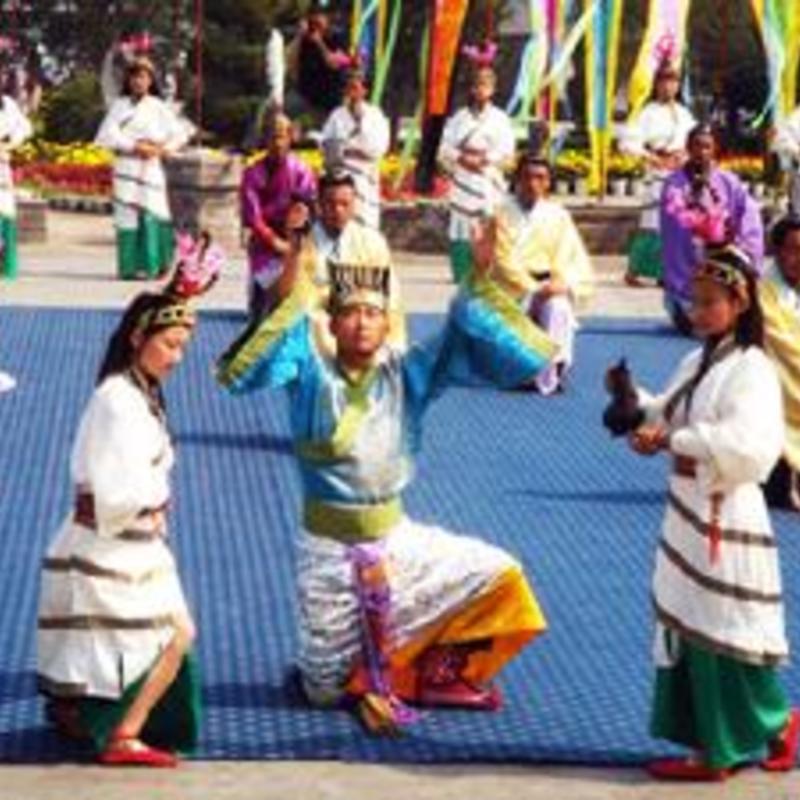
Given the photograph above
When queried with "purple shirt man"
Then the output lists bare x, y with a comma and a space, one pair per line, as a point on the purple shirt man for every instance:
702, 206
270, 189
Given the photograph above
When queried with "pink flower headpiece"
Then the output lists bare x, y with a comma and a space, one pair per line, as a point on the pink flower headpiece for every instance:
137, 43
666, 55
198, 264
481, 55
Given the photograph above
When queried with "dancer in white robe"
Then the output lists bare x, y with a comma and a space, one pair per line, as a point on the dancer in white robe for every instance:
717, 595
477, 146
15, 128
141, 129
114, 630
355, 138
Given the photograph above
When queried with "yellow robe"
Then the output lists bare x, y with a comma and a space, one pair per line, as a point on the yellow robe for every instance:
539, 241
781, 307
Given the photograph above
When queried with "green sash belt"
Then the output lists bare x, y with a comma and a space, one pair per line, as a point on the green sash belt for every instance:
351, 524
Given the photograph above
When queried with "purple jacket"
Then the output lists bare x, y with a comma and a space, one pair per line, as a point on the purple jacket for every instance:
266, 193
682, 250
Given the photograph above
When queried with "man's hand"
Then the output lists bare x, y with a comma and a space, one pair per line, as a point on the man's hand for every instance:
298, 217
145, 148
649, 439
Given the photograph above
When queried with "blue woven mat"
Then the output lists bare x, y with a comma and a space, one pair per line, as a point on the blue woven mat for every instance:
540, 477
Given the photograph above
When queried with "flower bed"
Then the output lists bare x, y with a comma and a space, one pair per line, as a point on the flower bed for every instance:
51, 169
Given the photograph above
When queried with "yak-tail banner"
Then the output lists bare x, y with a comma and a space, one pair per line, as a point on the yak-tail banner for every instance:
602, 58
664, 37
447, 21
778, 23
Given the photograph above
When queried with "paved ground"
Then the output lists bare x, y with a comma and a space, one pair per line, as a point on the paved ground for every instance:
75, 268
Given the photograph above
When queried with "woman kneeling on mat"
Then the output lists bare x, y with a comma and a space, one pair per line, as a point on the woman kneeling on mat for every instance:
717, 587
114, 632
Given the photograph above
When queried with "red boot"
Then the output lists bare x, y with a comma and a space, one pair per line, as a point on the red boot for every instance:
442, 682
783, 750
685, 769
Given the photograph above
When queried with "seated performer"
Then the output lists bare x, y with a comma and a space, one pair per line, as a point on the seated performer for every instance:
390, 610
784, 141
114, 630
703, 206
541, 261
274, 187
336, 235
355, 138
779, 292
477, 145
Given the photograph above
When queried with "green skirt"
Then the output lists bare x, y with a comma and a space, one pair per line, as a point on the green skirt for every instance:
460, 260
723, 708
9, 261
644, 255
174, 723
147, 249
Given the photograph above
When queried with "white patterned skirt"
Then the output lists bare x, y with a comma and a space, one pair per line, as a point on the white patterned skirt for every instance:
107, 609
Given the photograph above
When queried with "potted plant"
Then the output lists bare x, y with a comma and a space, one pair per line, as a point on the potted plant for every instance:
573, 166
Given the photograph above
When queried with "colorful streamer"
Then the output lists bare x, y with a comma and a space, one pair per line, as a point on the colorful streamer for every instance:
666, 23
602, 57
386, 53
547, 44
533, 62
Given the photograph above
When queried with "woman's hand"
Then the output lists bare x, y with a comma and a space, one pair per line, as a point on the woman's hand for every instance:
649, 439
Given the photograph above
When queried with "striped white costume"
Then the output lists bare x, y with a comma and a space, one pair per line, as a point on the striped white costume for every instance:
14, 130
110, 589
357, 143
140, 183
474, 194
733, 434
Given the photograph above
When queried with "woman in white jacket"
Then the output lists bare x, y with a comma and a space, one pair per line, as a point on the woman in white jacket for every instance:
114, 631
717, 593
141, 129
14, 130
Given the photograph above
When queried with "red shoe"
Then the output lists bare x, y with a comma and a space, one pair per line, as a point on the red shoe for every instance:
685, 769
461, 694
441, 681
783, 750
634, 281
131, 752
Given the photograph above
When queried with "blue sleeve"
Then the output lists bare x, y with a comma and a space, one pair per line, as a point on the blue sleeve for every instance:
486, 339
270, 353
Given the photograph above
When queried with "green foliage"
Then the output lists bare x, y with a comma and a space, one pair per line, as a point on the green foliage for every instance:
73, 111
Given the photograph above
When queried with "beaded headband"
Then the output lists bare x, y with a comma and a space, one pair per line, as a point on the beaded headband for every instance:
727, 267
167, 317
